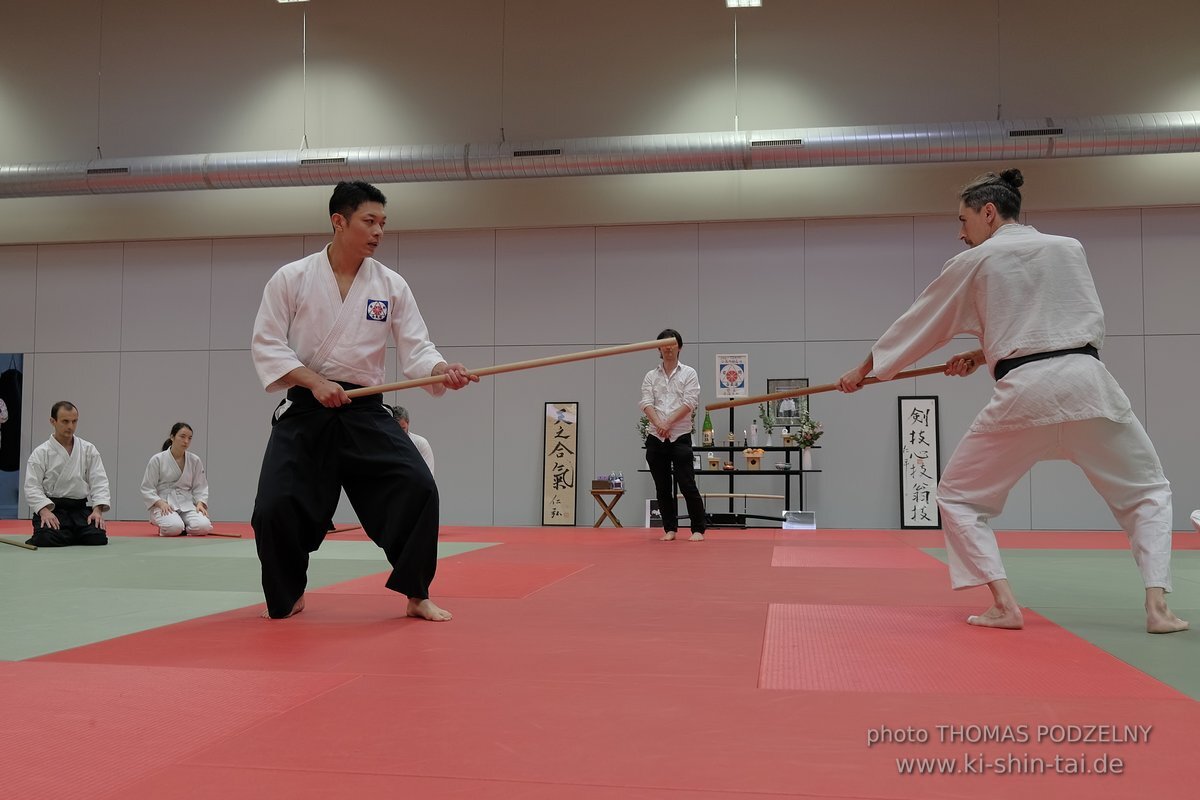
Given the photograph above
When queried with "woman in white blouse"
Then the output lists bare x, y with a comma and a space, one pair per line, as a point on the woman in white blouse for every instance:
175, 487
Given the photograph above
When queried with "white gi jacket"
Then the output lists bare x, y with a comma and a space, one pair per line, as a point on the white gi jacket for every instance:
303, 321
1020, 292
181, 489
52, 472
423, 448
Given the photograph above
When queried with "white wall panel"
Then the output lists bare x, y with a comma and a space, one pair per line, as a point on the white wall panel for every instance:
858, 276
646, 280
92, 382
1113, 242
240, 270
847, 279
167, 295
157, 390
935, 241
519, 431
752, 281
1171, 394
18, 277
859, 486
79, 298
1171, 262
460, 426
453, 276
546, 286
239, 423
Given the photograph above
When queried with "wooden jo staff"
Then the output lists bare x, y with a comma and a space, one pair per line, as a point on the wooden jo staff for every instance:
566, 358
18, 543
827, 387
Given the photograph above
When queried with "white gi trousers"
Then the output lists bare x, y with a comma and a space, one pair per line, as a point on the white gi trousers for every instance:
175, 523
1118, 459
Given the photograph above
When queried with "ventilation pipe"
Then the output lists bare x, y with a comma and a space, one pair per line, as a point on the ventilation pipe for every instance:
1049, 137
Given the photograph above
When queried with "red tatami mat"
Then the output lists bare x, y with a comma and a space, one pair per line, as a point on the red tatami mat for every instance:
854, 557
678, 737
463, 577
592, 665
915, 649
102, 726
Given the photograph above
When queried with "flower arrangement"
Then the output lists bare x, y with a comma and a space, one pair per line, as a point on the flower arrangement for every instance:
807, 432
768, 421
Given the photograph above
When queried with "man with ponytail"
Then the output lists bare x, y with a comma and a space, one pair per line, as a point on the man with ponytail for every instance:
1029, 298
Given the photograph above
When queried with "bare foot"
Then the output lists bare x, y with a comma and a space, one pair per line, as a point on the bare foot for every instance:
996, 617
669, 536
1160, 618
296, 609
696, 537
426, 609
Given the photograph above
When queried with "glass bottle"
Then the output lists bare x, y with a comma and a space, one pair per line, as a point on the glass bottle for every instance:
706, 435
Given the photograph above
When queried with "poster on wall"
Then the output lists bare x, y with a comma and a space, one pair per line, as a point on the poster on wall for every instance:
11, 377
920, 462
732, 375
559, 449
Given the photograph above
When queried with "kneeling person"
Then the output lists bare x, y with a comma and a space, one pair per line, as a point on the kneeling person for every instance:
175, 487
66, 486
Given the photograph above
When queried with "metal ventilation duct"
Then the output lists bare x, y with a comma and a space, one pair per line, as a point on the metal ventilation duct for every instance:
1005, 140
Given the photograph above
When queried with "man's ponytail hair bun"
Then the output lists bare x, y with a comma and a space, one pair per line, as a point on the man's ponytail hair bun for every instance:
1003, 191
1013, 178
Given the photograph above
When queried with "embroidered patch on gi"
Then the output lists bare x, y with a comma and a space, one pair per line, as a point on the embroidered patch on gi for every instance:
377, 310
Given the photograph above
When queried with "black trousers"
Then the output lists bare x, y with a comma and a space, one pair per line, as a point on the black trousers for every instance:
663, 458
312, 454
74, 527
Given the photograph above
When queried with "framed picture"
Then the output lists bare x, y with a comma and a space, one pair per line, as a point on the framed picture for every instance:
920, 462
560, 448
787, 412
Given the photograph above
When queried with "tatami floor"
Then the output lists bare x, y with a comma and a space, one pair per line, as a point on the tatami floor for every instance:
594, 664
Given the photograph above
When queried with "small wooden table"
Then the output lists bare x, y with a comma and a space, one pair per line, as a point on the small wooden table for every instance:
606, 507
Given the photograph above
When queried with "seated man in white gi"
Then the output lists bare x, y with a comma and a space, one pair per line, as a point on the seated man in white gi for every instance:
400, 414
1030, 299
66, 486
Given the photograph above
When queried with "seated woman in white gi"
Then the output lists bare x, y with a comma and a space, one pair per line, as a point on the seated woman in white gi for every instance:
175, 487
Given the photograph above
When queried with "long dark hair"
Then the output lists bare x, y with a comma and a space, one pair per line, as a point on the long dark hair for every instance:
176, 428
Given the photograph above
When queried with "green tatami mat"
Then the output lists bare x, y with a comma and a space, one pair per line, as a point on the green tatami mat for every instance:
58, 598
1098, 596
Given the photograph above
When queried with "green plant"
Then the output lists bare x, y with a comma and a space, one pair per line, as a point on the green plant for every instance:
767, 420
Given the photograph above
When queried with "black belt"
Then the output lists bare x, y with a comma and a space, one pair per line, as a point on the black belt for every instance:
69, 502
304, 396
1007, 365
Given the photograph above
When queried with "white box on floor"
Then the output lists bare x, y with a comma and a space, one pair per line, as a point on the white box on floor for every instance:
799, 520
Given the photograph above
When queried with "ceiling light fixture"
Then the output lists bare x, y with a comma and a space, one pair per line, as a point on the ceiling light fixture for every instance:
734, 3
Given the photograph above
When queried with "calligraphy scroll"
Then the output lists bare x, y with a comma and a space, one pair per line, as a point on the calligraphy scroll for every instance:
559, 450
920, 462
